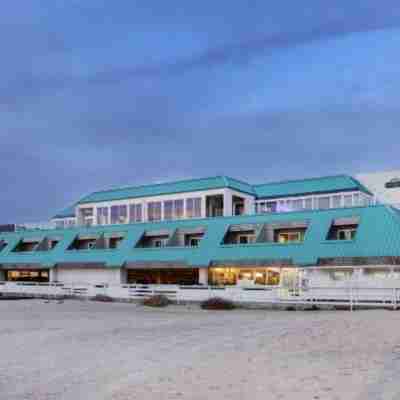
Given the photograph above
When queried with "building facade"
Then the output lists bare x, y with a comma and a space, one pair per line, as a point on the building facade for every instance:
212, 197
215, 232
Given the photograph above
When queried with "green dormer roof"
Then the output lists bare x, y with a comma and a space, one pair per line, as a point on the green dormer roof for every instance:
378, 235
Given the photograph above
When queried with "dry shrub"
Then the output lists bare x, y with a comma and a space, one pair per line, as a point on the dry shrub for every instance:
217, 303
103, 298
157, 300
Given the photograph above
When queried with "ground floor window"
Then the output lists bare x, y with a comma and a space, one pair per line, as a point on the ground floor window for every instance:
341, 275
178, 276
28, 275
244, 276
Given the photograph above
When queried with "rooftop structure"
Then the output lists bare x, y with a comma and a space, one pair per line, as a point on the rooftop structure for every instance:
212, 197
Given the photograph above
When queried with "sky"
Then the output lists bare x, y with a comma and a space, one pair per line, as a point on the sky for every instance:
98, 94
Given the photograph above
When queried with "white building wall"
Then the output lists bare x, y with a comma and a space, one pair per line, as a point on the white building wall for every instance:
89, 275
375, 182
203, 276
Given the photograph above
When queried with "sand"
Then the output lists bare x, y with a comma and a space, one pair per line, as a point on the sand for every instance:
94, 351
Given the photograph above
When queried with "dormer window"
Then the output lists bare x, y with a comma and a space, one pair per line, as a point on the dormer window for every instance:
290, 236
242, 234
3, 245
154, 239
26, 245
343, 229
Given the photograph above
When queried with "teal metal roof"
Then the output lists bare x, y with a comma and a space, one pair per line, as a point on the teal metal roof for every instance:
191, 185
67, 213
378, 235
326, 184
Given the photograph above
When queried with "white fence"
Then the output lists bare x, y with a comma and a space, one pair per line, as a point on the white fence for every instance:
343, 295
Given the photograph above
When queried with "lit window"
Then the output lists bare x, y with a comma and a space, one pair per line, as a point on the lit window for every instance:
288, 237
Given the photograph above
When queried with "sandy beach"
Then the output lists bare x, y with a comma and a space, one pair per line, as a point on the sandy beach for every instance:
86, 350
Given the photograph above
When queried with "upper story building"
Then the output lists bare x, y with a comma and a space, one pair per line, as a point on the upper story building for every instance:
212, 197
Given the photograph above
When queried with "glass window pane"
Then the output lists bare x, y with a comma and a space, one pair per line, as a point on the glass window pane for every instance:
154, 211
178, 205
197, 207
336, 201
348, 200
297, 204
114, 214
308, 203
102, 215
323, 202
138, 213
168, 209
356, 199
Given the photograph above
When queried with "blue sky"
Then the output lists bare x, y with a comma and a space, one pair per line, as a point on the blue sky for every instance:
98, 94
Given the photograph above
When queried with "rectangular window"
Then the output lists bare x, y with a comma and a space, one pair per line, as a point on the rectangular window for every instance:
340, 275
154, 211
346, 234
194, 242
308, 203
102, 215
193, 207
168, 209
135, 213
271, 206
119, 214
297, 204
356, 199
323, 202
246, 239
348, 200
178, 206
289, 237
86, 216
336, 201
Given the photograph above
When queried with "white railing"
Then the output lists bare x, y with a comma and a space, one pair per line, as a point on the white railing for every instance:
352, 296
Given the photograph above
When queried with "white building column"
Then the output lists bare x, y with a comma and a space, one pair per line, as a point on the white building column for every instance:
203, 207
249, 206
144, 211
123, 276
53, 274
203, 276
227, 203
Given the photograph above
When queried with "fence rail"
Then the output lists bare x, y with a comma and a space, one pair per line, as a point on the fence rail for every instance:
351, 296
